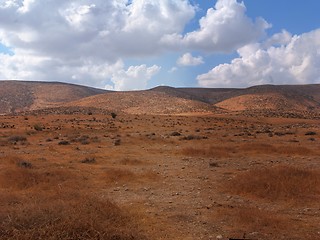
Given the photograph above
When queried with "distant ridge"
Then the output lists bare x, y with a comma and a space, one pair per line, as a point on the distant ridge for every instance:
18, 96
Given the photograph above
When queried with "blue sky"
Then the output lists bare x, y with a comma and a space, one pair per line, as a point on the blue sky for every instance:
139, 44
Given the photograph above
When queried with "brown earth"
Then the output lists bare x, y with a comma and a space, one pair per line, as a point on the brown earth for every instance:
198, 176
165, 163
144, 102
18, 96
264, 101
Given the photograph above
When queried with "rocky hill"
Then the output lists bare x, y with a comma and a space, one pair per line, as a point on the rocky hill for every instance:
18, 96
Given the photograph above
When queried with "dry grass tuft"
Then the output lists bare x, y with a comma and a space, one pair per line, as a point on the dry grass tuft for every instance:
128, 161
246, 219
119, 175
20, 178
279, 183
72, 216
263, 148
38, 203
218, 152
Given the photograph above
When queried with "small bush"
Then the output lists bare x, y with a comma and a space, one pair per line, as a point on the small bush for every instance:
38, 127
117, 142
175, 134
17, 138
214, 151
84, 140
310, 133
64, 142
193, 137
24, 164
113, 115
214, 164
89, 160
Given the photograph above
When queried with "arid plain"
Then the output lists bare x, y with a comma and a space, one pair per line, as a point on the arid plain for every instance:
80, 163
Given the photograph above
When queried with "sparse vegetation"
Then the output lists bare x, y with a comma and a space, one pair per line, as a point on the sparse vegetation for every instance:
89, 160
279, 183
214, 164
193, 137
248, 220
174, 134
229, 179
64, 142
24, 164
66, 216
113, 115
117, 142
17, 138
214, 151
310, 133
38, 127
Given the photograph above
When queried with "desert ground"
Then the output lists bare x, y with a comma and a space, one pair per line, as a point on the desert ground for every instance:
159, 176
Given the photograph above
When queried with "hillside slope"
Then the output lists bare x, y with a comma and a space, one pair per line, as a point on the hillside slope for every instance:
17, 96
144, 102
279, 98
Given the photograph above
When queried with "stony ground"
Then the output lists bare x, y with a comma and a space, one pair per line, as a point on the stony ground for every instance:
168, 176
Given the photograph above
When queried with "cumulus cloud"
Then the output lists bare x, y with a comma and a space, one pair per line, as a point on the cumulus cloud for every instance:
87, 42
225, 28
188, 60
289, 60
105, 29
135, 78
84, 41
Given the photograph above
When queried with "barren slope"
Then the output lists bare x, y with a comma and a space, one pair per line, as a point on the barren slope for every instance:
16, 96
144, 102
273, 97
264, 101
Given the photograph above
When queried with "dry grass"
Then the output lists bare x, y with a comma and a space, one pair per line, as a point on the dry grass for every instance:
128, 161
55, 203
263, 148
247, 220
218, 152
65, 215
247, 148
279, 183
15, 177
118, 175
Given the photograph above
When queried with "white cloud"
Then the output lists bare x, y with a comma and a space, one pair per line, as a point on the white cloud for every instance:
82, 41
135, 78
87, 42
188, 60
225, 28
295, 61
173, 69
26, 5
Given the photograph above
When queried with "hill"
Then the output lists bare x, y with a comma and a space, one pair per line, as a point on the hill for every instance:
17, 96
144, 102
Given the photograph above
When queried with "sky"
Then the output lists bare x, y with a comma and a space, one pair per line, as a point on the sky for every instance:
139, 44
